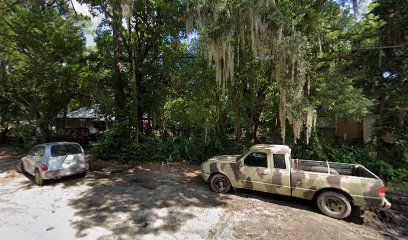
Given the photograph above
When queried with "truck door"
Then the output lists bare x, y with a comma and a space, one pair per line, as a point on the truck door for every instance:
255, 171
280, 171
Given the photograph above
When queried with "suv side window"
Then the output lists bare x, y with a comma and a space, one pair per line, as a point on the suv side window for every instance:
279, 161
37, 151
256, 159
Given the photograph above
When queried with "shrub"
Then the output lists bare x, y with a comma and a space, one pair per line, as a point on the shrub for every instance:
25, 136
155, 149
114, 146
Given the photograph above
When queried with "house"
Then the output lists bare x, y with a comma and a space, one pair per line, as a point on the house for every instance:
85, 124
350, 130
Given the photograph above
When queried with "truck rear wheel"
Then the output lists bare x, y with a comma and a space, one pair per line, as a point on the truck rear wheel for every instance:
219, 183
334, 204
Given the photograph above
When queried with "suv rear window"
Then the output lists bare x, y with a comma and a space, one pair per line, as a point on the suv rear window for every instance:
65, 149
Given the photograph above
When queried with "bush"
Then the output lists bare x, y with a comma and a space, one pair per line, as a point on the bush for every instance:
113, 146
155, 149
25, 136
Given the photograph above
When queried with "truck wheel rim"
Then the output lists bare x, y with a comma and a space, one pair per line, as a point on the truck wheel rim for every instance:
334, 205
220, 184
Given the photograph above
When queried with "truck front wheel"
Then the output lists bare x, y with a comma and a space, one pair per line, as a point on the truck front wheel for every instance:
219, 183
334, 204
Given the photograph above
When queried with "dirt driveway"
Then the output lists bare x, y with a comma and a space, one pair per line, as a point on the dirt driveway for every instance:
156, 202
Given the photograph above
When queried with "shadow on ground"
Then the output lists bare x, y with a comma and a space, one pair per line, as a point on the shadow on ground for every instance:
140, 201
155, 200
8, 159
152, 200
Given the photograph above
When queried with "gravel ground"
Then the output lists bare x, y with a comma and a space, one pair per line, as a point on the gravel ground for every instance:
159, 202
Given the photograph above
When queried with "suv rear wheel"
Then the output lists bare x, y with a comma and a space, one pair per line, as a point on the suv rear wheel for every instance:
37, 178
334, 204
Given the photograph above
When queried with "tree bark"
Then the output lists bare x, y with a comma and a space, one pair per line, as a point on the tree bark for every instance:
118, 64
238, 131
140, 112
135, 94
255, 131
261, 93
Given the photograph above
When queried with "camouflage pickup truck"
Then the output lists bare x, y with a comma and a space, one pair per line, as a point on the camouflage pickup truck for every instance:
336, 187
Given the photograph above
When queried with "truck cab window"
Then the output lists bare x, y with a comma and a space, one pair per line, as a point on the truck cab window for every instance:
279, 161
256, 159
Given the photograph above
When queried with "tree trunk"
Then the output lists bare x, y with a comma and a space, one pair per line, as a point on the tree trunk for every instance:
255, 128
134, 85
118, 65
45, 129
238, 131
256, 114
206, 131
139, 107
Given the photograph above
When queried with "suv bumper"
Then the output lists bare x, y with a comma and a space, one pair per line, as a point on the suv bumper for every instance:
56, 174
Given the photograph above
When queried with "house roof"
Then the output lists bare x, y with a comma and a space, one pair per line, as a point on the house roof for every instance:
85, 112
91, 112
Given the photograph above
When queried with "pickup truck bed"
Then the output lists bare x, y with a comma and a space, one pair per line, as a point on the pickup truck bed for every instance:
354, 180
344, 169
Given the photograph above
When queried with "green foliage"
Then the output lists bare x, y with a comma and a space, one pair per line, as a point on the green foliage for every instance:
40, 53
25, 136
155, 149
340, 98
394, 170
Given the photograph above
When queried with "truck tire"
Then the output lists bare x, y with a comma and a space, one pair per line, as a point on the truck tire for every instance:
334, 204
219, 183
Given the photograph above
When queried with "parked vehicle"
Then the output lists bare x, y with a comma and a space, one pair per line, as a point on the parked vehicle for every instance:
53, 161
336, 187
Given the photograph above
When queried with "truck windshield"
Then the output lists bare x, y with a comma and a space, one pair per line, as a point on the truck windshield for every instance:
65, 149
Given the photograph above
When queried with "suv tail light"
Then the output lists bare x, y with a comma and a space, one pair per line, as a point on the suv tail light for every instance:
44, 168
381, 191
